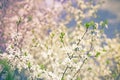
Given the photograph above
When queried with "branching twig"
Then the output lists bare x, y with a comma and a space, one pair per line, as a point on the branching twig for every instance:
80, 68
72, 56
82, 37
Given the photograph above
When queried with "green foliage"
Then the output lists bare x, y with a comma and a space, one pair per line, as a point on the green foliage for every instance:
76, 49
107, 62
104, 23
33, 40
114, 75
90, 24
89, 68
88, 54
7, 69
62, 34
12, 46
52, 35
42, 66
97, 54
104, 50
29, 65
62, 79
25, 53
78, 78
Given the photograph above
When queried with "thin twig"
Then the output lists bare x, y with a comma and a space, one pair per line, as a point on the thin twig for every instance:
72, 56
80, 67
64, 72
82, 37
84, 60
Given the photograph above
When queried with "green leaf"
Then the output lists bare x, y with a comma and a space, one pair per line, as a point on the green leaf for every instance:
88, 54
62, 79
29, 65
87, 25
52, 35
104, 23
25, 53
104, 50
33, 40
114, 75
89, 68
107, 62
61, 40
12, 46
42, 67
76, 49
78, 78
97, 54
90, 24
62, 34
